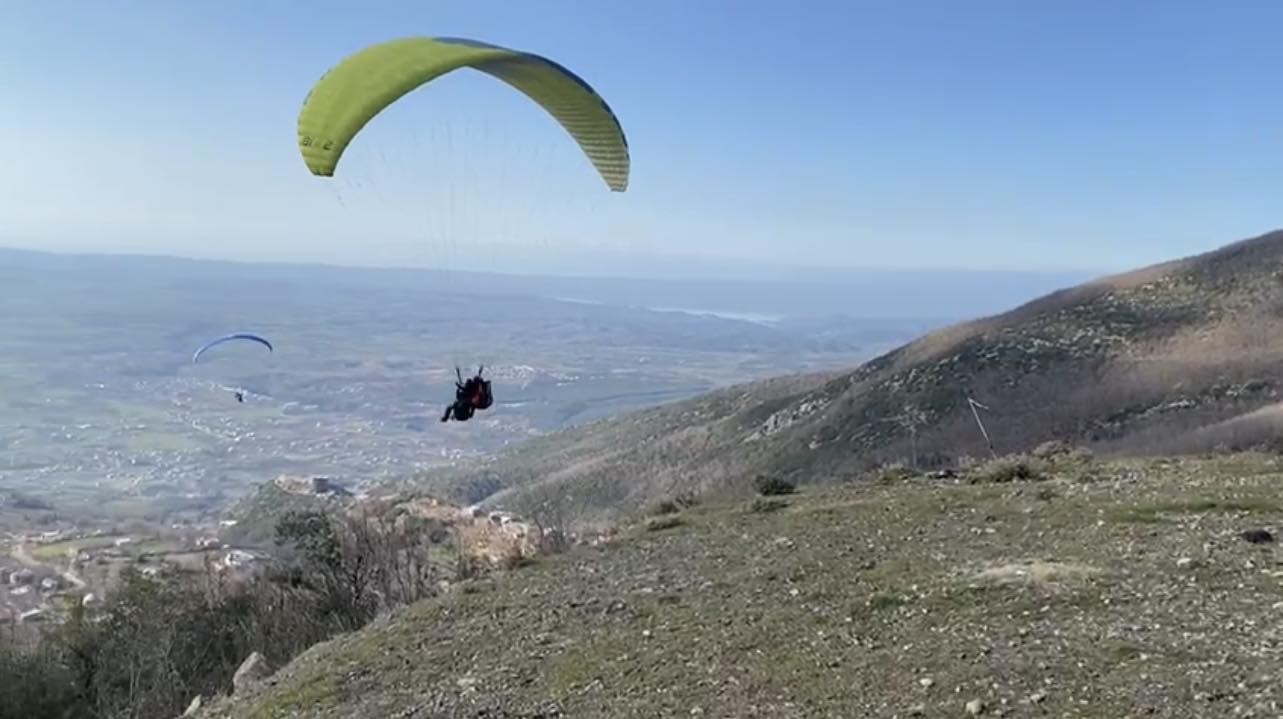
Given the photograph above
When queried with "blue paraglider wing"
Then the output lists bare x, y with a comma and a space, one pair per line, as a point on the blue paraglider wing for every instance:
229, 338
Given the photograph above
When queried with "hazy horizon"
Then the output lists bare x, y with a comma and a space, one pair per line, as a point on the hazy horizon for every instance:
744, 288
525, 262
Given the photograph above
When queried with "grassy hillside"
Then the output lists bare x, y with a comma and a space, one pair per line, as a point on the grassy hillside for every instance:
1113, 589
611, 467
1171, 357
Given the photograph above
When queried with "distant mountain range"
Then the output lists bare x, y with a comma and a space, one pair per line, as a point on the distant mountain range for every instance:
786, 292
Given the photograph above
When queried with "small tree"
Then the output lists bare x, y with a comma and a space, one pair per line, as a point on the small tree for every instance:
911, 419
769, 486
35, 683
361, 563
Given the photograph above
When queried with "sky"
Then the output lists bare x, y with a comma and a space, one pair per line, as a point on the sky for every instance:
1078, 134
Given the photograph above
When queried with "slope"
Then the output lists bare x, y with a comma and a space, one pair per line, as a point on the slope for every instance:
1123, 363
1108, 589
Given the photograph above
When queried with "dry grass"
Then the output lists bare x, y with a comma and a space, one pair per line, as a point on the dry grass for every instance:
908, 599
1037, 573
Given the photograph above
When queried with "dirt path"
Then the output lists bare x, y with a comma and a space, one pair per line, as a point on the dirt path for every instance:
23, 555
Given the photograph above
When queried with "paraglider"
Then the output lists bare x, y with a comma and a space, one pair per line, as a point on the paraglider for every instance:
350, 94
229, 338
239, 394
469, 397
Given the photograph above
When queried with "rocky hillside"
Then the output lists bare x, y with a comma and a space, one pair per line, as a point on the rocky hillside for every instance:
485, 538
253, 518
1072, 588
1181, 356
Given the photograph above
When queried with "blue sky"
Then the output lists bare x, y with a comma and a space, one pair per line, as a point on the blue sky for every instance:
1076, 134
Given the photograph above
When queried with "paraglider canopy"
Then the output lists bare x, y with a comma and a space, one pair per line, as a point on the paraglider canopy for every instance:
351, 93
229, 338
347, 97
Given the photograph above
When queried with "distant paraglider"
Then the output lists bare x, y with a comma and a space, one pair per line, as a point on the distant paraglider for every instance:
229, 338
239, 394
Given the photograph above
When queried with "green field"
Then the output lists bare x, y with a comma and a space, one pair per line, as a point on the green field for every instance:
61, 550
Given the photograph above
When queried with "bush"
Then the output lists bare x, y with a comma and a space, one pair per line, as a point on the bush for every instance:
665, 506
1008, 469
773, 486
893, 473
36, 683
765, 505
158, 642
1060, 452
685, 500
1052, 448
657, 524
553, 540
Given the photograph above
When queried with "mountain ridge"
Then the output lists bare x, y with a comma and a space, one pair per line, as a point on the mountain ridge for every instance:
1111, 363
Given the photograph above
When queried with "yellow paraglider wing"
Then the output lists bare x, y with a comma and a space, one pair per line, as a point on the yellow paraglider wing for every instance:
351, 93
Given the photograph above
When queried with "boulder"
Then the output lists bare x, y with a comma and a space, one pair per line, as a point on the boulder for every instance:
251, 671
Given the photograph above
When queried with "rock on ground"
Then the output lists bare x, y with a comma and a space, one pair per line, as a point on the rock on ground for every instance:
251, 671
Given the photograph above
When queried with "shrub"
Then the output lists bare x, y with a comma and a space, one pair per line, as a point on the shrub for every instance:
156, 642
1008, 469
893, 473
657, 524
773, 486
36, 683
764, 505
1060, 452
685, 500
665, 506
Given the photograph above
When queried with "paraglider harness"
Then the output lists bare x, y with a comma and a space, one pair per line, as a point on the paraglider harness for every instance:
469, 396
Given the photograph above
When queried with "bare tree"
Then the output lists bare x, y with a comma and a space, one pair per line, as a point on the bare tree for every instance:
911, 419
362, 563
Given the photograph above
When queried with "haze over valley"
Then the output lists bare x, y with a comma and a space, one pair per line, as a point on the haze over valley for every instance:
105, 416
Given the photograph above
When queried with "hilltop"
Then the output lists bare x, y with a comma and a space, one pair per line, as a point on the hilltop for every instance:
1124, 588
1181, 356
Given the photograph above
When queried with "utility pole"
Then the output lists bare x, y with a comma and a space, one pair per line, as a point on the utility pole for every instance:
979, 423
